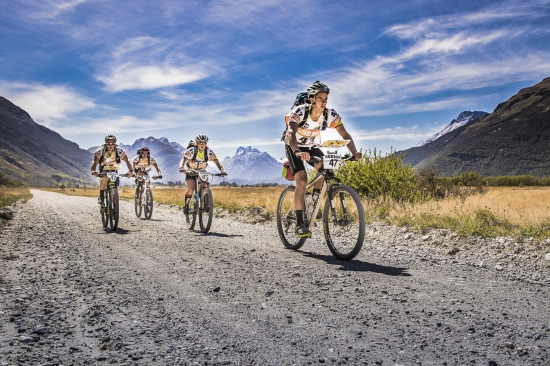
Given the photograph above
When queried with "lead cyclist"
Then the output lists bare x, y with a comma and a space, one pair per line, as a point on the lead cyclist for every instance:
305, 123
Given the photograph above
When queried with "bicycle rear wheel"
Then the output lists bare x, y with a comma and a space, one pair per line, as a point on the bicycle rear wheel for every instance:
148, 205
345, 228
286, 219
206, 211
114, 209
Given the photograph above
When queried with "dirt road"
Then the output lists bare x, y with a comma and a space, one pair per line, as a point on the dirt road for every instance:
154, 293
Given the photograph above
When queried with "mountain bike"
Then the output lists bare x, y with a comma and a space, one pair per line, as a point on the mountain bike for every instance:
110, 212
144, 200
202, 203
343, 217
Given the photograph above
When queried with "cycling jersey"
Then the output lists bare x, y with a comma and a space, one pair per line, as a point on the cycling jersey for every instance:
201, 159
143, 164
109, 160
309, 131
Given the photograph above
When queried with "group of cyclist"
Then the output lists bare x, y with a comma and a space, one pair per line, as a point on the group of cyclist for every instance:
302, 136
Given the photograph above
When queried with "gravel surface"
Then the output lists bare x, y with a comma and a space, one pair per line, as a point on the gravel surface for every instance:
155, 293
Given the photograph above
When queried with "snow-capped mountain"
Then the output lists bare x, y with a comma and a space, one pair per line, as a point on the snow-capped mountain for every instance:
250, 166
463, 119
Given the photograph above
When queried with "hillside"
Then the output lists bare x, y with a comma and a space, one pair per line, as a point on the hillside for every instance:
33, 153
513, 140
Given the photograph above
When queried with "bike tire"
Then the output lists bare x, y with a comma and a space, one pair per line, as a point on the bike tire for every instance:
344, 233
137, 204
191, 218
148, 206
114, 210
104, 215
206, 211
286, 219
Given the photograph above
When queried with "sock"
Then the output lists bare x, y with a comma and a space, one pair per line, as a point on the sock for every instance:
299, 217
316, 193
102, 194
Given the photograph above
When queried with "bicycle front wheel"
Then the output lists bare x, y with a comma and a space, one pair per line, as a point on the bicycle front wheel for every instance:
104, 215
345, 226
114, 209
286, 219
137, 204
148, 206
206, 211
191, 215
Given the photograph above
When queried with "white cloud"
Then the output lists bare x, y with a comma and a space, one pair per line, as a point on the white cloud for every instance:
49, 9
47, 104
134, 76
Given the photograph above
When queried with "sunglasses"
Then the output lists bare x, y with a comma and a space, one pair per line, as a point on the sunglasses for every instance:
110, 143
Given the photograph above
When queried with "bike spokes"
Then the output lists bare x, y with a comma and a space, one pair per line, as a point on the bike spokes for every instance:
206, 210
344, 223
286, 219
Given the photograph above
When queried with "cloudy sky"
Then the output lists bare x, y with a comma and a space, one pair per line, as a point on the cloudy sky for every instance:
399, 71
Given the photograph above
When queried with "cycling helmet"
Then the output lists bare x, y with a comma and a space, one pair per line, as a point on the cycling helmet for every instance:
144, 148
201, 138
317, 87
110, 137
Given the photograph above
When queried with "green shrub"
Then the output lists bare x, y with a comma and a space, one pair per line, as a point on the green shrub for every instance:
381, 178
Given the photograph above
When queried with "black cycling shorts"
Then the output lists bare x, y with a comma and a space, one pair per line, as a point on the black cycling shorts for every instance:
297, 164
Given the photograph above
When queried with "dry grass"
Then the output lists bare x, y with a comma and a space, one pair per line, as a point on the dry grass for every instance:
511, 211
11, 195
232, 198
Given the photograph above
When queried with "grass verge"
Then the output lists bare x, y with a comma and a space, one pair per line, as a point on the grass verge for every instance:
10, 195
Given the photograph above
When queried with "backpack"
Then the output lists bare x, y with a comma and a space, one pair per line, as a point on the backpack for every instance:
191, 144
302, 99
287, 172
103, 155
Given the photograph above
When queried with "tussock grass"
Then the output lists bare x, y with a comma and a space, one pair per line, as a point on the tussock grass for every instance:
10, 195
500, 211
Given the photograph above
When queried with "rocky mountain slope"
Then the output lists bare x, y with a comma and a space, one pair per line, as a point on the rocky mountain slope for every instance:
513, 140
33, 153
463, 119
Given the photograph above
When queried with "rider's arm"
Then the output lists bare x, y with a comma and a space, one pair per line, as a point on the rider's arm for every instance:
293, 142
128, 164
219, 165
157, 168
346, 136
94, 162
182, 163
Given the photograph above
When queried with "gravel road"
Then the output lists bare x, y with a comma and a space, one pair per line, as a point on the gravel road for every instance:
154, 293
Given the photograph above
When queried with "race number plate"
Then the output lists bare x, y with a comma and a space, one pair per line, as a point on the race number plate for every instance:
331, 161
203, 176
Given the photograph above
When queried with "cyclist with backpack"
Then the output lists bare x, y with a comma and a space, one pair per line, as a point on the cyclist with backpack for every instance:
109, 157
142, 163
308, 117
196, 157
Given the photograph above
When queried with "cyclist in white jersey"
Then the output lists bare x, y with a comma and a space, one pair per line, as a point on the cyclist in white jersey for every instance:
305, 123
108, 157
197, 158
142, 163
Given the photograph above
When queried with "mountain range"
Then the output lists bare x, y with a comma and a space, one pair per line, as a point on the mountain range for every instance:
463, 119
247, 166
32, 153
513, 140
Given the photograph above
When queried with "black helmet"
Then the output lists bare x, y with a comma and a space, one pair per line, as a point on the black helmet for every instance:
143, 148
201, 138
110, 137
317, 87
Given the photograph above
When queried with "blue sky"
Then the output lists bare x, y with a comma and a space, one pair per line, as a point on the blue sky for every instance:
399, 71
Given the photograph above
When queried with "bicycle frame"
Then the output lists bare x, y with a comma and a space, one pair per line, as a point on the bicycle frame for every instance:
201, 182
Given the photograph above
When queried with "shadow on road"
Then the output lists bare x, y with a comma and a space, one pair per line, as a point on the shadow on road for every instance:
117, 231
357, 265
218, 235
